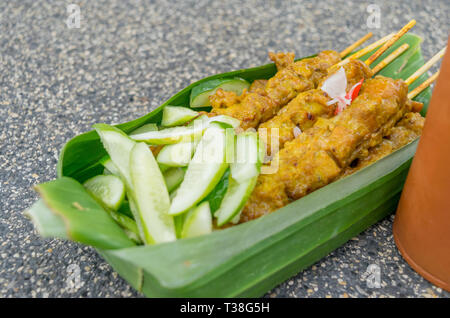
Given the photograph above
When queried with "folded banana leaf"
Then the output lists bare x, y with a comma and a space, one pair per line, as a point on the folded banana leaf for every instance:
245, 260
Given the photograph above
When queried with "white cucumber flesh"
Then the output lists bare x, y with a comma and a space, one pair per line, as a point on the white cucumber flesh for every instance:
177, 155
198, 221
234, 200
176, 115
247, 157
150, 198
118, 145
203, 172
108, 190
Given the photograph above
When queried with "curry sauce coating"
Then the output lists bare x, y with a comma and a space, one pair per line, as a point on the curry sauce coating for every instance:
407, 130
304, 110
249, 108
258, 86
321, 154
296, 77
261, 104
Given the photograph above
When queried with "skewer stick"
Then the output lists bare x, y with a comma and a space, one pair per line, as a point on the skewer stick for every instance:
391, 41
426, 66
365, 50
416, 91
390, 58
356, 44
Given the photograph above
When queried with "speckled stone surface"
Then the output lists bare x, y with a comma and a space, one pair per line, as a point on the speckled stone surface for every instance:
127, 58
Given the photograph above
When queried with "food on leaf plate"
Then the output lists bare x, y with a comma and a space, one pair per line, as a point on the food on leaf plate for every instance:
200, 166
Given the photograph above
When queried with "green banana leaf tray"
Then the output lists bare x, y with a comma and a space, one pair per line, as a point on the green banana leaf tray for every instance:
242, 261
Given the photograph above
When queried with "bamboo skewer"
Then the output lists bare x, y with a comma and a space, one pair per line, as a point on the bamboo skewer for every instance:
353, 46
416, 91
426, 66
390, 58
391, 41
365, 50
421, 71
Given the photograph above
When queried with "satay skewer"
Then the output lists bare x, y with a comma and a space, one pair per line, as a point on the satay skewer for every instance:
390, 58
299, 115
319, 157
353, 46
364, 50
416, 91
426, 66
391, 41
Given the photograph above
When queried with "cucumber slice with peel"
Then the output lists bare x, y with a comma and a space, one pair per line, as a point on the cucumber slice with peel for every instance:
110, 167
149, 197
233, 122
177, 155
215, 197
198, 221
189, 133
200, 93
118, 145
247, 157
173, 178
176, 115
234, 200
107, 190
204, 171
171, 135
145, 128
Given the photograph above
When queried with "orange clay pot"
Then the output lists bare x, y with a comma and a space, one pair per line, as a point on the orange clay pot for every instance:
422, 222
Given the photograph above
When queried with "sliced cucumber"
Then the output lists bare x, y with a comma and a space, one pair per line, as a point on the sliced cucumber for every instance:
204, 171
127, 223
198, 221
179, 221
177, 155
200, 93
150, 199
118, 145
234, 200
200, 119
173, 178
174, 116
125, 209
215, 197
108, 190
233, 122
171, 135
110, 167
247, 158
145, 128
163, 167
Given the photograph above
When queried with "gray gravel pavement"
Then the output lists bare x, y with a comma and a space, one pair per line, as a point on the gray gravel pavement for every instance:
128, 57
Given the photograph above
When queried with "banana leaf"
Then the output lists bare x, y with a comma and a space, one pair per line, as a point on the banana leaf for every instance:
245, 260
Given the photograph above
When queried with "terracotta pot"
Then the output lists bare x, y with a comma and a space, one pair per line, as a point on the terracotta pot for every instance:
422, 222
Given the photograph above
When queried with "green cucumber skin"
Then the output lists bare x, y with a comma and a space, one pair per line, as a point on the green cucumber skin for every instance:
215, 197
173, 178
210, 86
221, 220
